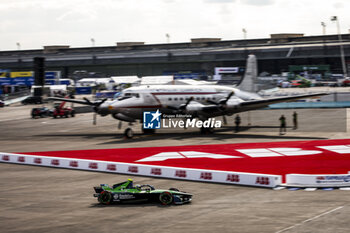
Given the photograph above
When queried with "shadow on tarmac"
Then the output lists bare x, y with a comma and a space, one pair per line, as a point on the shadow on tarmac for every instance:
132, 205
215, 137
218, 135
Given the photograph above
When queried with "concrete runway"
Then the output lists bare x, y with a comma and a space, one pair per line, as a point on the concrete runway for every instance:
39, 199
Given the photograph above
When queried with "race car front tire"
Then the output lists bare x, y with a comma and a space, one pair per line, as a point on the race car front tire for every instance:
166, 198
105, 198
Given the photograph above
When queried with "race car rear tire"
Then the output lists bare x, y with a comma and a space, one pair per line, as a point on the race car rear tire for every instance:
166, 198
105, 198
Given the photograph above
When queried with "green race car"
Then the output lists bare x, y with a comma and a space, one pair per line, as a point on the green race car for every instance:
126, 192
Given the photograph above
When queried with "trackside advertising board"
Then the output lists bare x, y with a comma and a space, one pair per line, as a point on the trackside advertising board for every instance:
266, 163
331, 180
261, 180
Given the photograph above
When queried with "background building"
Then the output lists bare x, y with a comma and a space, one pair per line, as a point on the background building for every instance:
195, 59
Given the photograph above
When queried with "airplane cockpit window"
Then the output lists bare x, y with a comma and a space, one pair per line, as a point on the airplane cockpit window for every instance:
117, 95
128, 95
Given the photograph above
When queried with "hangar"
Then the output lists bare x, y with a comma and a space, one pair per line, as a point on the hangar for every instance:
197, 58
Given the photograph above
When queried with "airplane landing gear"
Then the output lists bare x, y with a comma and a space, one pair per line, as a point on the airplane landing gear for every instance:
128, 133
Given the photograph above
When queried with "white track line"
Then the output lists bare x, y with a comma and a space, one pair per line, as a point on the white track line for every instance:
310, 219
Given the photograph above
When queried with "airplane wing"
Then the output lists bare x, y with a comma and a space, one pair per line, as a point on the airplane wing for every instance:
256, 104
85, 101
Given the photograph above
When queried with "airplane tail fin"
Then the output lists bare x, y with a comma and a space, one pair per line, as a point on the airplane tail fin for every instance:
249, 81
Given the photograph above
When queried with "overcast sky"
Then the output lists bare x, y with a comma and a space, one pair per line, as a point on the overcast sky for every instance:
35, 23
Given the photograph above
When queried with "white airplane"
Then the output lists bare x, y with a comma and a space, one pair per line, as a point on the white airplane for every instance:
200, 101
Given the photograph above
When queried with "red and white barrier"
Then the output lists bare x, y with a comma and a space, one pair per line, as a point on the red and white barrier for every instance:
214, 163
229, 177
336, 180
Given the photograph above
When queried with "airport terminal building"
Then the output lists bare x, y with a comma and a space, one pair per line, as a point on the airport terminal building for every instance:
196, 59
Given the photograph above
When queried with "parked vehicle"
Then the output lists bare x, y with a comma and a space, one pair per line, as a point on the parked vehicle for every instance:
32, 100
61, 111
346, 82
40, 112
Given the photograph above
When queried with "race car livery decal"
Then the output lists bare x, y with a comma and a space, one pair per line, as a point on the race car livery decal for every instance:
123, 196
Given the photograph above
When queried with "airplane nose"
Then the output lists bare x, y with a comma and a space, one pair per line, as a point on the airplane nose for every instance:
104, 110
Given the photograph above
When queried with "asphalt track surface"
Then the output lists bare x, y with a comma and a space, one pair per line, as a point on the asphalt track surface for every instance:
39, 199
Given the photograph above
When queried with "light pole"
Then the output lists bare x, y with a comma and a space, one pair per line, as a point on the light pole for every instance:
323, 24
244, 33
19, 54
93, 47
335, 19
167, 38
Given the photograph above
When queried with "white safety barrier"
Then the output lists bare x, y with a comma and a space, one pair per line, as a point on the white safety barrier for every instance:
336, 180
240, 178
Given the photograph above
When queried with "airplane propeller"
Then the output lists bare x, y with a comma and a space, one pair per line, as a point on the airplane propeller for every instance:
224, 119
222, 102
221, 105
94, 118
182, 107
95, 105
227, 98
